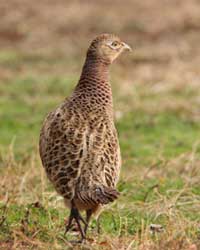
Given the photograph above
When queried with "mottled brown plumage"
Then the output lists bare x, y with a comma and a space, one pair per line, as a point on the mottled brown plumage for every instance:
79, 146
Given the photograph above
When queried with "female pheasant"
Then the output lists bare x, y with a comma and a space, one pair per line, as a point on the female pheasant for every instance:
79, 146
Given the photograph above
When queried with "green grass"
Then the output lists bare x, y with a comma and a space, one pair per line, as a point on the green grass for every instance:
160, 172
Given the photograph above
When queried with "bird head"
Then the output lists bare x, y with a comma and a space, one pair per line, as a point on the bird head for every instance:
107, 47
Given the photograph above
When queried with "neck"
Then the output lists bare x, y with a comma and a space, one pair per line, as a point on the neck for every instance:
95, 68
93, 87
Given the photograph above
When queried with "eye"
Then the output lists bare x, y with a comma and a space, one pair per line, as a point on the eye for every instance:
115, 44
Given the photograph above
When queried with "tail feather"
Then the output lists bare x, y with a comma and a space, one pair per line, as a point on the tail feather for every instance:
99, 195
105, 195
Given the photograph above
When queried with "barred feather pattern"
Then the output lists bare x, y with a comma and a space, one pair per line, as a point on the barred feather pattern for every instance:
79, 145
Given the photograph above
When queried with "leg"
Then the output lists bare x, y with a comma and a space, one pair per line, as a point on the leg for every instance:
69, 223
88, 216
98, 225
75, 215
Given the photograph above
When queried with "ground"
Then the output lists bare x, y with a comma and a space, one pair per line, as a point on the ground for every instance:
157, 102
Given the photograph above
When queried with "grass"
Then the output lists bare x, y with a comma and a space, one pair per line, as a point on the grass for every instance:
160, 174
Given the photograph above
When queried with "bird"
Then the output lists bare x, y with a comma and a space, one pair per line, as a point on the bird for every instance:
78, 145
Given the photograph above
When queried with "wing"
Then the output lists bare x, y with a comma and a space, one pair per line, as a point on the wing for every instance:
102, 164
111, 157
62, 144
101, 167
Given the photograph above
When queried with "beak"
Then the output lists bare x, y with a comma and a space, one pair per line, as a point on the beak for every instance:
126, 47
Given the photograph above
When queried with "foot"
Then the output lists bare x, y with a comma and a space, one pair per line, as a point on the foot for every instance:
74, 227
75, 215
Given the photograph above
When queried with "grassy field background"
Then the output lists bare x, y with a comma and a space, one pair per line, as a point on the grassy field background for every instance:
157, 109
